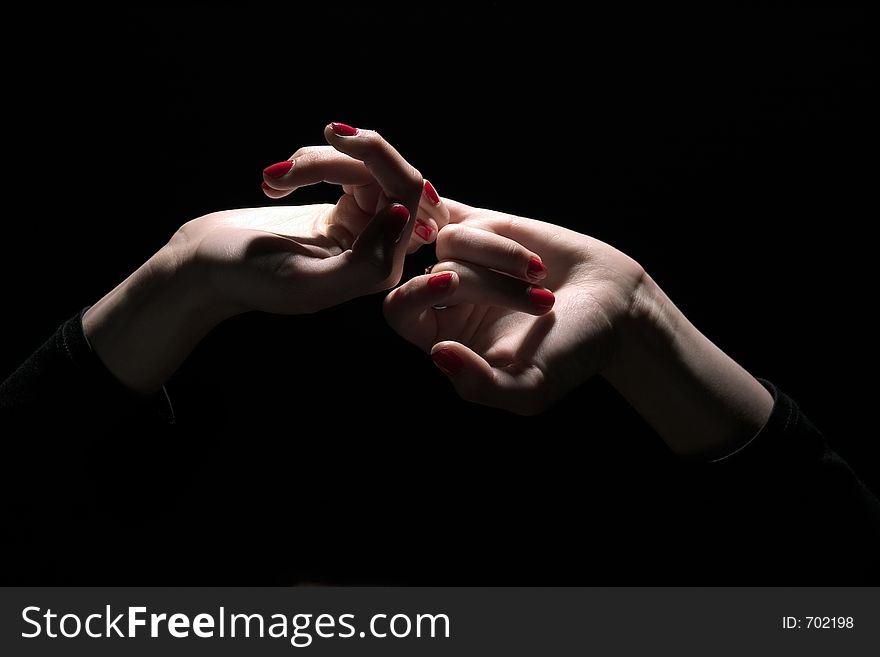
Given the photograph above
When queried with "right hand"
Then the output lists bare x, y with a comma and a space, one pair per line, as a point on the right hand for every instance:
503, 339
507, 342
371, 173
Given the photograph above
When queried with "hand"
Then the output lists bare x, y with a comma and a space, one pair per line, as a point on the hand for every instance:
370, 172
285, 260
497, 339
299, 259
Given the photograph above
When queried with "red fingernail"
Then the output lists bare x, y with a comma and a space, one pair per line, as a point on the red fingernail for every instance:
542, 299
431, 193
536, 270
343, 130
440, 282
447, 361
278, 169
424, 230
399, 211
401, 214
266, 188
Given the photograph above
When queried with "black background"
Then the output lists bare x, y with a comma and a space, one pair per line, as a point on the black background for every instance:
730, 150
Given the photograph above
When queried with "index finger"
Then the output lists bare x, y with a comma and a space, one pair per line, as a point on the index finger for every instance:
400, 180
316, 164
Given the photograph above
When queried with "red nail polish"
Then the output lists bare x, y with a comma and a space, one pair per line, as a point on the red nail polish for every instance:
431, 193
423, 230
536, 270
448, 361
440, 282
343, 130
399, 211
266, 188
542, 299
278, 169
401, 215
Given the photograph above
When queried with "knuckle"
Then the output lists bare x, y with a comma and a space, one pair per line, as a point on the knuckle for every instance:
450, 236
308, 157
513, 251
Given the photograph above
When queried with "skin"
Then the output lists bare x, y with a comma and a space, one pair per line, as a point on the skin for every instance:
289, 260
610, 318
500, 335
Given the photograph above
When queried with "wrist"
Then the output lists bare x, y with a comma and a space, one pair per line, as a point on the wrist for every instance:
700, 401
144, 328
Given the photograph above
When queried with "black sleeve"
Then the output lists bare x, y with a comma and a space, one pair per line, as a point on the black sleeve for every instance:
55, 409
64, 384
791, 506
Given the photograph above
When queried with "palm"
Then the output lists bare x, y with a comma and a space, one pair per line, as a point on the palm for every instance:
552, 353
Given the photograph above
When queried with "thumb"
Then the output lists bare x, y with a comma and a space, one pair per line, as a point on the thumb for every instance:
380, 246
477, 381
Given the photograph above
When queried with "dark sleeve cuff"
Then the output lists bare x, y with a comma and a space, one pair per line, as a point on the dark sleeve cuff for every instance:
788, 437
65, 384
106, 388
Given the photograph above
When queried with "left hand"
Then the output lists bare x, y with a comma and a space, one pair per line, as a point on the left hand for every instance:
286, 260
300, 259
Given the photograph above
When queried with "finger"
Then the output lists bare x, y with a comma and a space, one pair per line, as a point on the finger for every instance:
367, 196
349, 221
314, 165
512, 388
273, 193
424, 232
409, 308
481, 247
400, 180
378, 250
369, 266
433, 215
433, 206
483, 286
531, 233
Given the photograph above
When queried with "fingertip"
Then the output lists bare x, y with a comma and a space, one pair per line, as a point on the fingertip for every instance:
442, 283
399, 211
446, 359
271, 192
341, 130
278, 169
430, 193
542, 300
399, 215
536, 269
425, 230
